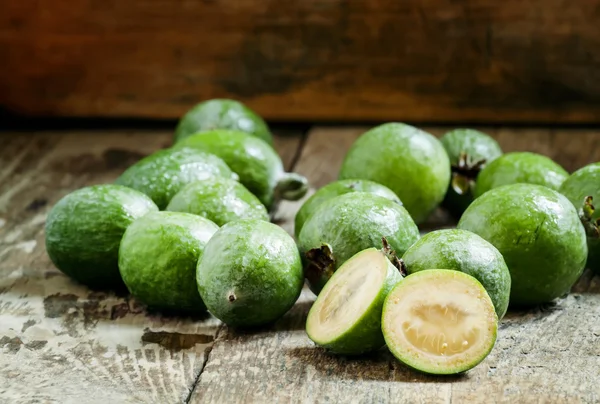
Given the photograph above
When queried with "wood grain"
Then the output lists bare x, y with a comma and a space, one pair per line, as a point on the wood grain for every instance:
432, 60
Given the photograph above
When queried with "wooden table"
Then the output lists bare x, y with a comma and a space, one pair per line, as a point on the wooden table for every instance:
61, 342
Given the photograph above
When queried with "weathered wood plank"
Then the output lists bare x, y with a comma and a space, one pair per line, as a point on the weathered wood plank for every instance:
419, 60
61, 342
543, 355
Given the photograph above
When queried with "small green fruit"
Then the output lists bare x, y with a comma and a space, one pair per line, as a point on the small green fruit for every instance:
250, 274
347, 224
338, 188
222, 114
346, 317
582, 184
84, 230
162, 174
466, 252
158, 258
538, 232
469, 152
439, 321
220, 200
409, 161
520, 167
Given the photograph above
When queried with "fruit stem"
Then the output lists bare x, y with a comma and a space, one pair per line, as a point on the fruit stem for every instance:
391, 255
465, 172
586, 213
291, 187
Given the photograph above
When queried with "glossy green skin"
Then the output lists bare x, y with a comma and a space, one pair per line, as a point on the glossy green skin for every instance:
220, 200
410, 162
586, 182
477, 146
338, 188
520, 167
158, 258
222, 114
466, 252
365, 334
538, 232
422, 279
351, 223
84, 230
250, 274
162, 174
257, 164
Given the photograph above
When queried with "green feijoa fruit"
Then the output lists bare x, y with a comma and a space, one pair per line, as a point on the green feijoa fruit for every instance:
347, 224
346, 317
539, 234
469, 151
338, 188
162, 174
84, 230
158, 258
409, 161
222, 114
259, 167
583, 188
520, 167
220, 200
250, 273
466, 252
439, 321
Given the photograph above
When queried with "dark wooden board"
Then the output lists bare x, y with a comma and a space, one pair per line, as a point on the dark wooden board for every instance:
432, 60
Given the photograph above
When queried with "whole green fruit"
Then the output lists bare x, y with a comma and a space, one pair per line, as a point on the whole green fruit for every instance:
158, 258
469, 151
538, 232
584, 183
347, 224
520, 167
466, 252
222, 114
250, 274
84, 230
221, 200
409, 161
338, 188
259, 167
162, 174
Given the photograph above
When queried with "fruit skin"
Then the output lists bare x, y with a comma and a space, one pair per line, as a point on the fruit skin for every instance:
520, 167
365, 335
259, 167
84, 230
466, 252
220, 200
477, 150
347, 224
582, 183
538, 232
407, 360
409, 161
158, 258
162, 174
250, 273
222, 114
338, 188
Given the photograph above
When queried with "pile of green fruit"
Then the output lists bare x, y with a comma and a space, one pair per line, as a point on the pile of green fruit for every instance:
187, 229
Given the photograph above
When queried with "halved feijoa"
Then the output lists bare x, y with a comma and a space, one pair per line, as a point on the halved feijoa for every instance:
346, 317
439, 321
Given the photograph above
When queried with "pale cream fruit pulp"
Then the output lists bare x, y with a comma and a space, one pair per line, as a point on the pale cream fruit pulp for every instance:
444, 321
341, 303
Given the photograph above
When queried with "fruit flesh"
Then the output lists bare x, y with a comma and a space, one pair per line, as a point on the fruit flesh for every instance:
439, 321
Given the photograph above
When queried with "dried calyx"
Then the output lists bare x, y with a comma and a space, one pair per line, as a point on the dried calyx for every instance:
391, 255
321, 261
464, 173
592, 227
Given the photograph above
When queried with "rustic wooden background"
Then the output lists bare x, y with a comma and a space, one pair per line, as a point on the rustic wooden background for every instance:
416, 60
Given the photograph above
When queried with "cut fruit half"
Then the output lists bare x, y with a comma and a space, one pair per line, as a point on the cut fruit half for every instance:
346, 317
439, 321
